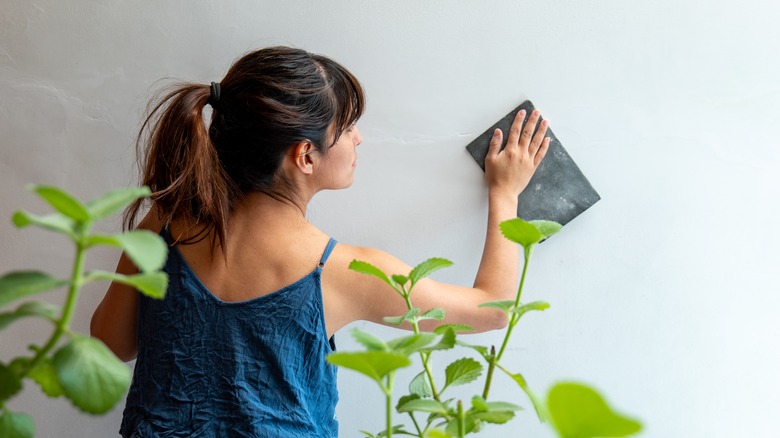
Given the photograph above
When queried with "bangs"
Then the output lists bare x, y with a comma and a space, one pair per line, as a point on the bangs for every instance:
346, 92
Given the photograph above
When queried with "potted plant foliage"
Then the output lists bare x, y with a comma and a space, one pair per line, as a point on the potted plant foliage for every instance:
573, 409
69, 364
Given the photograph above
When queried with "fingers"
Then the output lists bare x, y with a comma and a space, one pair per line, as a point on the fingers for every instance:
528, 129
509, 170
542, 151
522, 137
495, 143
538, 139
514, 131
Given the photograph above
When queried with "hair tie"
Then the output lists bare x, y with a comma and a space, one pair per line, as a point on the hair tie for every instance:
215, 93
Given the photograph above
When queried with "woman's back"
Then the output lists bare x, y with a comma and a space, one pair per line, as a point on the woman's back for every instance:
269, 246
210, 367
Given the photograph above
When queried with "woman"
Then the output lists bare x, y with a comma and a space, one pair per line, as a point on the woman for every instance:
237, 346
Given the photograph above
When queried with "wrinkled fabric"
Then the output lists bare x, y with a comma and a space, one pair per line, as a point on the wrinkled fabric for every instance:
209, 368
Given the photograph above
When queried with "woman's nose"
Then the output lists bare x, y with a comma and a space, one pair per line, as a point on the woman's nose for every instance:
358, 137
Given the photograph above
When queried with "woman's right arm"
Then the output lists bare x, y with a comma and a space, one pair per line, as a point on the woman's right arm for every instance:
508, 172
114, 320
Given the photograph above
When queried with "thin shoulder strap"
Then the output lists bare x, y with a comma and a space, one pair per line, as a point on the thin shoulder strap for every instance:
165, 233
326, 253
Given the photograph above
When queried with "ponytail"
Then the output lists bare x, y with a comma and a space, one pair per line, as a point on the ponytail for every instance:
181, 167
269, 100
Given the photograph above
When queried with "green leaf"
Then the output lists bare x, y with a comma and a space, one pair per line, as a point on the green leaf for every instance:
502, 406
368, 340
578, 411
405, 399
399, 279
19, 365
373, 364
482, 350
369, 269
427, 267
16, 425
367, 433
539, 407
146, 249
152, 284
452, 426
115, 200
547, 228
446, 342
536, 305
53, 222
505, 305
520, 231
63, 202
398, 320
394, 320
495, 417
398, 429
15, 285
437, 433
10, 383
46, 376
479, 405
407, 345
91, 376
420, 386
437, 314
32, 308
456, 327
424, 405
462, 371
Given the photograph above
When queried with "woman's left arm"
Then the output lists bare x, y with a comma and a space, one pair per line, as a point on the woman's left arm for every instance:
114, 321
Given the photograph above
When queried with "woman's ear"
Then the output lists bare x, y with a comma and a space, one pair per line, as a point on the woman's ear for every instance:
302, 154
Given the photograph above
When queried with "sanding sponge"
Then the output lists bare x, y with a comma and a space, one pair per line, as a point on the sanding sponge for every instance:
558, 191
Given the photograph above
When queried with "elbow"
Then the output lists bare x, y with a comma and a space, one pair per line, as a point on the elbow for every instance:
124, 349
497, 320
491, 319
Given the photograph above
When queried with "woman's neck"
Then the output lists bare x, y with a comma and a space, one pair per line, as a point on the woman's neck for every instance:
273, 206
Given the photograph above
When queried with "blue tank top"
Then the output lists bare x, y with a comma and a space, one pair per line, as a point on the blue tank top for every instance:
210, 368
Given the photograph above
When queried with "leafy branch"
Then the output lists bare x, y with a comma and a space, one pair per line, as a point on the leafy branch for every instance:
575, 410
82, 369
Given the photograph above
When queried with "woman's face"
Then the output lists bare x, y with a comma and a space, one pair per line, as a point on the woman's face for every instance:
337, 167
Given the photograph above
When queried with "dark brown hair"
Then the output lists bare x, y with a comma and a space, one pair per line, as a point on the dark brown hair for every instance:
270, 100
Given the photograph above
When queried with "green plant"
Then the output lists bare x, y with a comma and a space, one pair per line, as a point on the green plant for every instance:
68, 364
575, 410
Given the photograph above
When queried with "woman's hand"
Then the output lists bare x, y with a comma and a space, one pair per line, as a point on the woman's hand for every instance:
509, 170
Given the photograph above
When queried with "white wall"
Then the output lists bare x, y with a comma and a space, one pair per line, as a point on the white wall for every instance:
664, 294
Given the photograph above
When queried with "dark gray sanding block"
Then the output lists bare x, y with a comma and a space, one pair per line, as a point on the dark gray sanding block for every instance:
558, 191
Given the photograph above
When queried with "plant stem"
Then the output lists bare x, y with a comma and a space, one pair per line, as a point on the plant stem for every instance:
423, 356
491, 367
416, 425
389, 404
63, 323
461, 420
514, 318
